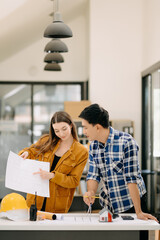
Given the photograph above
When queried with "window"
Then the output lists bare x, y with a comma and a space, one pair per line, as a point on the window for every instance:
25, 113
151, 135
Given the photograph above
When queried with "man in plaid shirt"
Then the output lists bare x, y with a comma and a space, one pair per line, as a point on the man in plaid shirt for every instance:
113, 160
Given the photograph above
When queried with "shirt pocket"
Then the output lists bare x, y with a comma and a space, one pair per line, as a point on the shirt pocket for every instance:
67, 166
117, 166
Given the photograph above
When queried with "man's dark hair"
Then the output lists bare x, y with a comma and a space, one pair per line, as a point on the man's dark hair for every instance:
95, 114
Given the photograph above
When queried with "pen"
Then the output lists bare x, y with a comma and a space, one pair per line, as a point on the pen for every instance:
92, 196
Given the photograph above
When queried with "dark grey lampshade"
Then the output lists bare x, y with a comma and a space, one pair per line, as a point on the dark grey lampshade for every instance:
52, 67
54, 57
57, 29
56, 45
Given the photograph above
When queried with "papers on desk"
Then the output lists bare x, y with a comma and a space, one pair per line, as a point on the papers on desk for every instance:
20, 177
93, 220
68, 220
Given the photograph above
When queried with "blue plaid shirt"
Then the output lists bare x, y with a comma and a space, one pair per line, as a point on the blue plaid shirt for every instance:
115, 163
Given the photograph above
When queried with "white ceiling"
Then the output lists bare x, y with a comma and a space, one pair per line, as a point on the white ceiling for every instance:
9, 6
23, 22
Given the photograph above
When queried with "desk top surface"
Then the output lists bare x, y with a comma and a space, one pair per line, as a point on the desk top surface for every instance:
75, 221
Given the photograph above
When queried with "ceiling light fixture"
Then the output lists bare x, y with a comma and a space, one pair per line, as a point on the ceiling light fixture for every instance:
54, 57
56, 45
57, 29
52, 67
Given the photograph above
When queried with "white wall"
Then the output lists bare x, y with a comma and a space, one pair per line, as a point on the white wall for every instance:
116, 58
151, 46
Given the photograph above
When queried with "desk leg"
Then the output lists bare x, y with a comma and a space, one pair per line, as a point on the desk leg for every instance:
157, 235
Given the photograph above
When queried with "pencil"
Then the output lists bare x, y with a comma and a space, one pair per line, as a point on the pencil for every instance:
92, 196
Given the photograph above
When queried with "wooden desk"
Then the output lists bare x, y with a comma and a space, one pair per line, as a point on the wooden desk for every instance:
76, 227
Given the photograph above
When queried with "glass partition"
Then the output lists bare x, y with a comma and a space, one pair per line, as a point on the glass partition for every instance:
47, 99
151, 137
25, 113
15, 124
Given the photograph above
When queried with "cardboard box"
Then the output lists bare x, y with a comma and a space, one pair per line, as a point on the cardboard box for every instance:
75, 108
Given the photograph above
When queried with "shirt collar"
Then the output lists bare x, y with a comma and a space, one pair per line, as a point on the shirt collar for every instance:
111, 135
109, 140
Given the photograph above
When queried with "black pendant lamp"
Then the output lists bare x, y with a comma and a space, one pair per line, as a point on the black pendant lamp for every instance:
57, 29
54, 57
56, 45
52, 67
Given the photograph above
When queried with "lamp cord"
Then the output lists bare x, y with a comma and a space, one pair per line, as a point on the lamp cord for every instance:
57, 6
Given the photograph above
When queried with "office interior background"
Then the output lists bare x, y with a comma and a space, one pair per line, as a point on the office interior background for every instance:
113, 60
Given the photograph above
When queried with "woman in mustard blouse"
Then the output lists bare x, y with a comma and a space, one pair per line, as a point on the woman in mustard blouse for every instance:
67, 159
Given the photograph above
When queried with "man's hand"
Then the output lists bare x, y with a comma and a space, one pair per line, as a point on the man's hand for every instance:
133, 190
44, 174
88, 197
146, 216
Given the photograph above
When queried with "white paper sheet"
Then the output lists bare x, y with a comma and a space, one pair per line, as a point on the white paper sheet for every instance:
20, 177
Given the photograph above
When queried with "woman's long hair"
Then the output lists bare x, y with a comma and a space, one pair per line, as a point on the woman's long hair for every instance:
51, 138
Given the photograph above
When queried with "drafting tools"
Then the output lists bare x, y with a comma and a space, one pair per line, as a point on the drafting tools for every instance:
89, 211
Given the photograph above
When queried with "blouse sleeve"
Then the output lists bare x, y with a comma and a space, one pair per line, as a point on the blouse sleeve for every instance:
32, 150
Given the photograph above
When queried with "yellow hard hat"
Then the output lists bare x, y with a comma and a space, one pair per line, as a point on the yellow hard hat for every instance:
13, 201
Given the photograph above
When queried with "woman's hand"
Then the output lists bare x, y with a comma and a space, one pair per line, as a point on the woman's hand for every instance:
44, 174
24, 155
